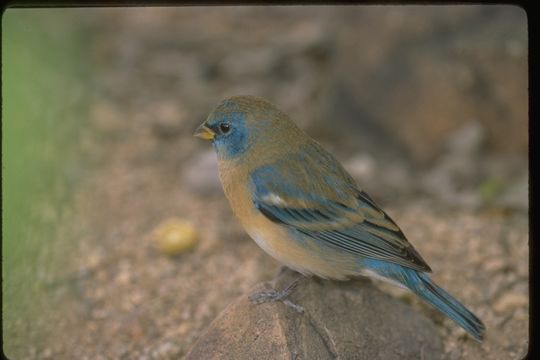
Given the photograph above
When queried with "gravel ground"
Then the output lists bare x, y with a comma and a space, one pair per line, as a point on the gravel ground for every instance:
131, 301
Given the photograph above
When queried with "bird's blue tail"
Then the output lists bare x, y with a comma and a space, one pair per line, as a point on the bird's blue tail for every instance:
421, 284
426, 289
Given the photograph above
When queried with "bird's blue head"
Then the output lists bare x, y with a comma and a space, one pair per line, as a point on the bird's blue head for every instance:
241, 123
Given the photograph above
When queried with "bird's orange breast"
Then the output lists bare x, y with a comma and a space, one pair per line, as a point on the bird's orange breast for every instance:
288, 246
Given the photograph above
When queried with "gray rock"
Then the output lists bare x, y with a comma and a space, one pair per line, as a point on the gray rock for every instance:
516, 196
361, 166
451, 177
467, 140
341, 320
201, 175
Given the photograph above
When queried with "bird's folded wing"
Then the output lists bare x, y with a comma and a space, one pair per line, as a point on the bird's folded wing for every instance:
331, 209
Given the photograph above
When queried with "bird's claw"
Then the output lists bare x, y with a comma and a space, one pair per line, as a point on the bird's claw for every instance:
296, 307
266, 296
274, 295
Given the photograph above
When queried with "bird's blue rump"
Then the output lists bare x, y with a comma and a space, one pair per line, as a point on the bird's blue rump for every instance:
421, 284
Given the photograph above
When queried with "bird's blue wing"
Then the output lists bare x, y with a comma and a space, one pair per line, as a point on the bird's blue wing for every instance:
327, 206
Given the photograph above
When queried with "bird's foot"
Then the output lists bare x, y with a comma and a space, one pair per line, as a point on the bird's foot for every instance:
275, 295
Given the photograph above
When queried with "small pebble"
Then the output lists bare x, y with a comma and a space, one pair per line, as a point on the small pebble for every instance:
494, 265
511, 301
175, 236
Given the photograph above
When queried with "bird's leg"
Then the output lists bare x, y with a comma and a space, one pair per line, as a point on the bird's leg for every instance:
275, 295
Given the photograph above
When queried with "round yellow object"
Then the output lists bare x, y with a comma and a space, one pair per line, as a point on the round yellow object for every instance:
175, 236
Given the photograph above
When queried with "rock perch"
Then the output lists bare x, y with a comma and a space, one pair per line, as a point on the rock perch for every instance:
341, 320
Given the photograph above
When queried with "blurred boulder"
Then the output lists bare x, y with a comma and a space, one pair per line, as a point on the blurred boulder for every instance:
385, 181
467, 140
409, 75
457, 167
463, 176
341, 320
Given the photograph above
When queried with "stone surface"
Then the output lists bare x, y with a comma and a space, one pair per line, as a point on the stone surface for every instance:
341, 320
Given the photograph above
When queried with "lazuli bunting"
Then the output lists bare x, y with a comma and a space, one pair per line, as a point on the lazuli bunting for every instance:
300, 206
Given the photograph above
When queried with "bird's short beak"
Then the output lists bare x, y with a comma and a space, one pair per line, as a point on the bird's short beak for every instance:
204, 132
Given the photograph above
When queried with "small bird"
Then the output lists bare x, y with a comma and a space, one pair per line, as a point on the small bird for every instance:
300, 206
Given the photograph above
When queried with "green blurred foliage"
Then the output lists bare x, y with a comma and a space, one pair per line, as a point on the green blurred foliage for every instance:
491, 188
44, 107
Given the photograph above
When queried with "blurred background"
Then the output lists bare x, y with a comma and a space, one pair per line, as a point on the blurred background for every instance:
117, 239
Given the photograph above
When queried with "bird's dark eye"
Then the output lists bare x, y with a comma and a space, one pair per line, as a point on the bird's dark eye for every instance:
224, 128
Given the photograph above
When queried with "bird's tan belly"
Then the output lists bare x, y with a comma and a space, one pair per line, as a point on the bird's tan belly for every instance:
302, 257
301, 254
